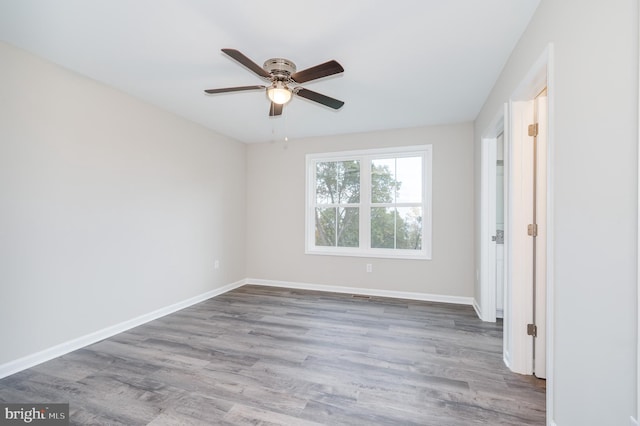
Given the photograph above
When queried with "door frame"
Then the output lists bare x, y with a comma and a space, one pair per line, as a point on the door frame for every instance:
637, 419
540, 75
488, 169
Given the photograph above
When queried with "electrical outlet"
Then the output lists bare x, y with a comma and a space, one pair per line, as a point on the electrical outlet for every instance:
216, 264
369, 267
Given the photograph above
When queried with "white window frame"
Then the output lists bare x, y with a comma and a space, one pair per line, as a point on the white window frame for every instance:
365, 157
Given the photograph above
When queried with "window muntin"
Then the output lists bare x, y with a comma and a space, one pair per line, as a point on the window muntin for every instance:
374, 203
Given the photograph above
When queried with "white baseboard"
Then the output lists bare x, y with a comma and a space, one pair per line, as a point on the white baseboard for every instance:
476, 307
459, 300
506, 358
32, 360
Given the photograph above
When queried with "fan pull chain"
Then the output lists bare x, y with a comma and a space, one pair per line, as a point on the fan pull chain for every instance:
286, 127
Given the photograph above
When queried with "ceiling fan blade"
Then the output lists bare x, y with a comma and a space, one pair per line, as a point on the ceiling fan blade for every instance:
320, 98
275, 109
319, 71
233, 89
247, 62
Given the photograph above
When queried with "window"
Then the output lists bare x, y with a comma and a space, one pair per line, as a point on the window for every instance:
373, 203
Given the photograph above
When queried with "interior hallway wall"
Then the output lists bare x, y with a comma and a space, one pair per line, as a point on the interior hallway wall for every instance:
594, 170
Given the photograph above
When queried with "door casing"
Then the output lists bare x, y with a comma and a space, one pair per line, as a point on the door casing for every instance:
539, 76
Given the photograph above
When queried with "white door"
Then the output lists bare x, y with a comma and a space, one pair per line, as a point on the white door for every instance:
499, 226
540, 282
526, 233
487, 271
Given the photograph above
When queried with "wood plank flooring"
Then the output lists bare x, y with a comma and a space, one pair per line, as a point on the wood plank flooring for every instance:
274, 356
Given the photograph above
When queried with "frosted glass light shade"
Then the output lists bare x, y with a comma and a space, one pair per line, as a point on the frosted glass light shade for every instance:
279, 95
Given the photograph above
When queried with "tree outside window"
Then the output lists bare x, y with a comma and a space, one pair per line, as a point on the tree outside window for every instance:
369, 203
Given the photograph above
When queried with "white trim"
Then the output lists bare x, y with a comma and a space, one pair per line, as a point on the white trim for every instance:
633, 421
355, 154
638, 250
427, 297
506, 358
506, 271
540, 74
365, 157
550, 286
543, 70
477, 308
488, 218
377, 254
32, 360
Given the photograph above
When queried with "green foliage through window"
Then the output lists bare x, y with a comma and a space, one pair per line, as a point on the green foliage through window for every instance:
391, 209
337, 184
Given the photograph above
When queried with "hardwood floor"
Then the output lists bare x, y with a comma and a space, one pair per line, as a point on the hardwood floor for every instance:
274, 356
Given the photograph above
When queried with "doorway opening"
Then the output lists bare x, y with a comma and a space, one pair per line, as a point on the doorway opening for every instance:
528, 226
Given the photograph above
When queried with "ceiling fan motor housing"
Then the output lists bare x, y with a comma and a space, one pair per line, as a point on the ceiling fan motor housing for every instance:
280, 68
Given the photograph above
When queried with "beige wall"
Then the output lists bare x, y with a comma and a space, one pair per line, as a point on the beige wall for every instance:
594, 169
276, 216
109, 207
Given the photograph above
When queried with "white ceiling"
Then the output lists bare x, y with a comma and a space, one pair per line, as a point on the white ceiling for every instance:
407, 63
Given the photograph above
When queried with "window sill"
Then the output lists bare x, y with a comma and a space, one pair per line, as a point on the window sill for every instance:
406, 255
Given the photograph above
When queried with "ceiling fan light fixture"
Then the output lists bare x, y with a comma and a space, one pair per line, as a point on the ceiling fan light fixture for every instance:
280, 73
279, 93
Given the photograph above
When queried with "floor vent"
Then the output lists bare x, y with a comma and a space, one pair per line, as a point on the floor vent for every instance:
360, 296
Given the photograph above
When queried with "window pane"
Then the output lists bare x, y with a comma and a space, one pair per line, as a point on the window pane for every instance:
326, 226
409, 180
348, 182
383, 182
409, 228
348, 227
338, 182
325, 182
382, 227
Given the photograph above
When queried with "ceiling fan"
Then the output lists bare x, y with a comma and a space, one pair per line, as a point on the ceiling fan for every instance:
284, 81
